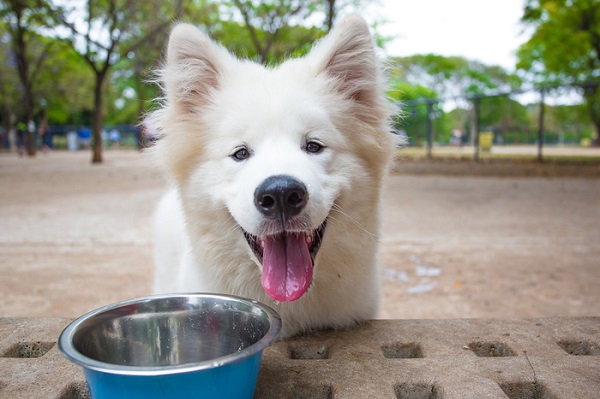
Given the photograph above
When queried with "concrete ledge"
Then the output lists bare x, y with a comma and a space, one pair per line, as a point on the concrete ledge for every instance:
554, 358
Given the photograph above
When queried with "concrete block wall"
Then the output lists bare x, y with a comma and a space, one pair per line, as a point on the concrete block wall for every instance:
31, 365
432, 359
555, 358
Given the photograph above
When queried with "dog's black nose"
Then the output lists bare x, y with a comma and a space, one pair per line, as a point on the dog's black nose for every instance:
280, 197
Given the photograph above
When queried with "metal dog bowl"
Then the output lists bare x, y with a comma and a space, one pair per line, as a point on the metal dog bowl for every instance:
172, 346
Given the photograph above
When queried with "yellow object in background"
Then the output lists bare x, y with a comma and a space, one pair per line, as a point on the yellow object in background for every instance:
485, 141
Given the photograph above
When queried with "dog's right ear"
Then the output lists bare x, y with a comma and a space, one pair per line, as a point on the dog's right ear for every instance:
348, 58
194, 66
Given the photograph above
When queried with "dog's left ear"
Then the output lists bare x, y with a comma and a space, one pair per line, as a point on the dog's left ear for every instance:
347, 56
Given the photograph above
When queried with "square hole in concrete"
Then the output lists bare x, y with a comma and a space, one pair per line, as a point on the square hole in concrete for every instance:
402, 350
526, 390
76, 390
417, 391
310, 391
308, 352
580, 348
491, 349
29, 349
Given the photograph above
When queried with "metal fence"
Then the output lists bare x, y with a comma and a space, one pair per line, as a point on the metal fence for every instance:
542, 116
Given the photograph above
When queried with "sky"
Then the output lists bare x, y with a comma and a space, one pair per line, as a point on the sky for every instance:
485, 30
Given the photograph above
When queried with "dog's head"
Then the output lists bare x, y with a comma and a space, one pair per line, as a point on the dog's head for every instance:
275, 150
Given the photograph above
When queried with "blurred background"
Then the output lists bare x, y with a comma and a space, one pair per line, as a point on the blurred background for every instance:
470, 75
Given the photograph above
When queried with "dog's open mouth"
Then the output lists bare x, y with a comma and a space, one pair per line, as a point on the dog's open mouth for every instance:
287, 261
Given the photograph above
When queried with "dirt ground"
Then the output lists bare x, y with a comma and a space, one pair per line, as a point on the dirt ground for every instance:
76, 236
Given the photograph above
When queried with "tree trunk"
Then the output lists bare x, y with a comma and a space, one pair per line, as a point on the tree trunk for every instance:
330, 14
8, 124
473, 129
20, 50
596, 140
592, 98
98, 119
30, 142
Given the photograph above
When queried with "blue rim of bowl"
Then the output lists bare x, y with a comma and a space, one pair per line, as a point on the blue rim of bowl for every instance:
67, 349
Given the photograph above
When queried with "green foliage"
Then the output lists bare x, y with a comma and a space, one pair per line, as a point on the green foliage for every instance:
502, 113
564, 47
399, 90
413, 117
20, 20
565, 44
569, 120
9, 80
272, 30
292, 41
63, 88
453, 76
65, 85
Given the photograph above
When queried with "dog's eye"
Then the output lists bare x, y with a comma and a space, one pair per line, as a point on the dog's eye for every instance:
312, 147
241, 154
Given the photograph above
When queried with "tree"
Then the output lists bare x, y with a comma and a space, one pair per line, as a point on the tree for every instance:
276, 29
64, 84
332, 8
100, 40
60, 86
268, 21
564, 47
9, 87
21, 17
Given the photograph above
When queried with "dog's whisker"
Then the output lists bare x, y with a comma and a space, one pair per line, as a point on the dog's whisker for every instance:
338, 209
234, 227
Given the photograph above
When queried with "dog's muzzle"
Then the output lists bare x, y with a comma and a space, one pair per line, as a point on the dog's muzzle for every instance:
288, 251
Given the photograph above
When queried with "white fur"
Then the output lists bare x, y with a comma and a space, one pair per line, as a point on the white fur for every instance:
213, 104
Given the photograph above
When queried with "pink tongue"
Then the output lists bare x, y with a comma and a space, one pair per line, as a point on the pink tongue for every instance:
287, 266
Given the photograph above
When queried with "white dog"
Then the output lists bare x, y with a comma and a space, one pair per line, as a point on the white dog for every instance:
277, 176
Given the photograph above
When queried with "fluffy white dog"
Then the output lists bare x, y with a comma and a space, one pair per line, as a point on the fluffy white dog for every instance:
276, 175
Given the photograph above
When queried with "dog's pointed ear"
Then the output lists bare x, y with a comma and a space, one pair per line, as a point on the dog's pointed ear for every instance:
347, 56
194, 67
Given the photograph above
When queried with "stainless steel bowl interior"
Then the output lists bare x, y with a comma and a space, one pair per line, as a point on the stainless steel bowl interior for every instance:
164, 331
